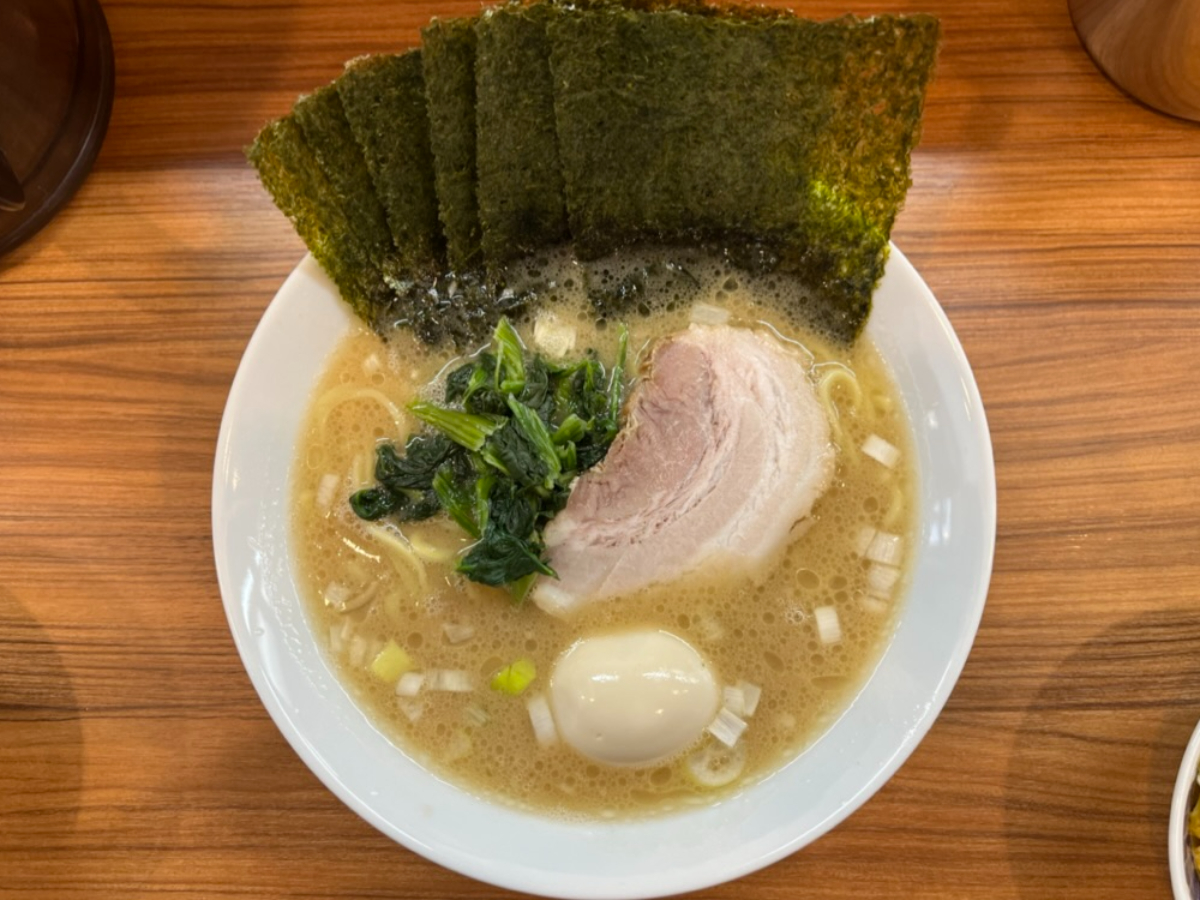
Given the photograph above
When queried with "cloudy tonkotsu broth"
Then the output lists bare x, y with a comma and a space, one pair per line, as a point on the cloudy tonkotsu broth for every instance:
764, 629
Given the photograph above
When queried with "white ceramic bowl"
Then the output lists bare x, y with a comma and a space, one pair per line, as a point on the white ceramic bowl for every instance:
629, 859
1184, 882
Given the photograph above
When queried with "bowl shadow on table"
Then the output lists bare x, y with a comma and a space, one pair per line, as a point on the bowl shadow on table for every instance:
1091, 773
41, 737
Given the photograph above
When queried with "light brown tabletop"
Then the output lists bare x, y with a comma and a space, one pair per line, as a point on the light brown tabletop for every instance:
1057, 221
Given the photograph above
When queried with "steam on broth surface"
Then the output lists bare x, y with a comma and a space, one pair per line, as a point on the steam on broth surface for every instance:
806, 629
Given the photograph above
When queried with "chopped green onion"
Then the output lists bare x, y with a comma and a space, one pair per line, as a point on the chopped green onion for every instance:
727, 727
885, 548
475, 715
458, 632
455, 681
410, 684
883, 452
391, 662
751, 694
829, 628
542, 720
514, 678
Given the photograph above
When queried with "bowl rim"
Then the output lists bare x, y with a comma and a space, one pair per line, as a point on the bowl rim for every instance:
284, 708
1182, 870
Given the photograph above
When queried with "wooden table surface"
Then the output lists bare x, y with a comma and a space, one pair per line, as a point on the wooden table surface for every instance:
1057, 221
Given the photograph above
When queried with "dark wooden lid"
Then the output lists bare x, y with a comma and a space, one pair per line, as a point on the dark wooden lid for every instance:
56, 91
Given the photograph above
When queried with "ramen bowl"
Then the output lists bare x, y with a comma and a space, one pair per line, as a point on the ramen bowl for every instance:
579, 857
1185, 884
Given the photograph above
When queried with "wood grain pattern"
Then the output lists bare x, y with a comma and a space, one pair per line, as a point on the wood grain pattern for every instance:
1057, 221
1150, 49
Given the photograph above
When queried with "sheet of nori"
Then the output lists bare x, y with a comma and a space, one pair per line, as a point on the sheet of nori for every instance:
681, 127
384, 101
520, 179
290, 172
742, 129
879, 98
732, 10
859, 172
326, 131
448, 55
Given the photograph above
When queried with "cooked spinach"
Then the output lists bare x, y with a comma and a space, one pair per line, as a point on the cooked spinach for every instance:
457, 497
501, 452
423, 454
374, 503
501, 558
511, 510
405, 506
405, 484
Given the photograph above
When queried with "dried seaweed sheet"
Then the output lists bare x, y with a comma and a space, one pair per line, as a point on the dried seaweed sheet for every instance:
671, 121
322, 121
879, 98
520, 179
681, 127
290, 172
687, 128
384, 100
511, 82
448, 54
730, 10
859, 170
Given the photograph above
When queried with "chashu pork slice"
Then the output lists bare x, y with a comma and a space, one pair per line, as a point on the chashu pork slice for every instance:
725, 449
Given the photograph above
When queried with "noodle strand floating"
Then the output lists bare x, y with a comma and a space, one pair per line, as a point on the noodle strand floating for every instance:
838, 376
335, 397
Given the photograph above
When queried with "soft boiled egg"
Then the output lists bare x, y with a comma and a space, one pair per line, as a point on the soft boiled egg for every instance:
632, 698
